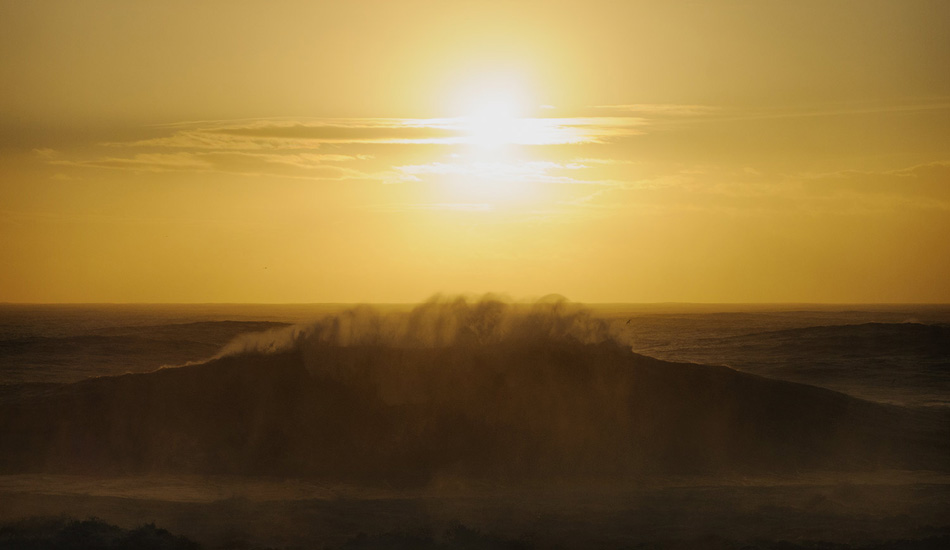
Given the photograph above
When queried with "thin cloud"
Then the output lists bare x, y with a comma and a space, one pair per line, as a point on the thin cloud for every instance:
672, 109
305, 166
929, 182
289, 148
432, 206
602, 161
747, 191
45, 153
349, 131
283, 134
712, 114
816, 111
514, 172
146, 162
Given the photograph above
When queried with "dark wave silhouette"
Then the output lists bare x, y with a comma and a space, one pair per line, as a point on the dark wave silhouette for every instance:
454, 388
90, 534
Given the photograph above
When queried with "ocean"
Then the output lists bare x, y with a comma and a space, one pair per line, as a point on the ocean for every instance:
477, 424
898, 353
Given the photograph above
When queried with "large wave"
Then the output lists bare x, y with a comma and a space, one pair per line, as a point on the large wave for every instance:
455, 387
438, 323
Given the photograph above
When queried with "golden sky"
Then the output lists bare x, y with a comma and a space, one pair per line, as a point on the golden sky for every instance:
381, 151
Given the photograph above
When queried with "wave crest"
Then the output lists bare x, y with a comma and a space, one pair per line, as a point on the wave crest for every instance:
439, 322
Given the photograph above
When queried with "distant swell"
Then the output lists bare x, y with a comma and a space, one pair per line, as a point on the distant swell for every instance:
482, 389
866, 338
903, 363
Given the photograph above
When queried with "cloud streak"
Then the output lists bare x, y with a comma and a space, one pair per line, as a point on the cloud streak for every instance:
302, 165
514, 172
280, 134
662, 109
922, 185
294, 148
334, 150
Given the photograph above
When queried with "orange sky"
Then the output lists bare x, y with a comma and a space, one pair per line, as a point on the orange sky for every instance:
382, 151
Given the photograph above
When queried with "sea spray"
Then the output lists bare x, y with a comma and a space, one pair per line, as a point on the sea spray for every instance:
437, 323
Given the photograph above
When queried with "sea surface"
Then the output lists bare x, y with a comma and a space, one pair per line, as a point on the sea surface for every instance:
479, 424
897, 354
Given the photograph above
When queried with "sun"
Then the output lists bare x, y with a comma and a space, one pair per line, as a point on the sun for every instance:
495, 118
491, 109
493, 122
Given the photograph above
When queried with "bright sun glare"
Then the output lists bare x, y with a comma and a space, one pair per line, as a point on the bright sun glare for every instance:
492, 109
493, 118
493, 122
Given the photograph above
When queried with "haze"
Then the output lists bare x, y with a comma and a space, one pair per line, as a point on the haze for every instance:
382, 151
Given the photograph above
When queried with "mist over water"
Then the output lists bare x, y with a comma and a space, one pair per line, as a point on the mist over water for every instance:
438, 323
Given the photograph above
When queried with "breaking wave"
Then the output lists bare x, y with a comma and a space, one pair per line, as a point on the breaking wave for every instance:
439, 322
455, 387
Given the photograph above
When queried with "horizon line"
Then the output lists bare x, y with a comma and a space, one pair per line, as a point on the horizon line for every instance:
516, 301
